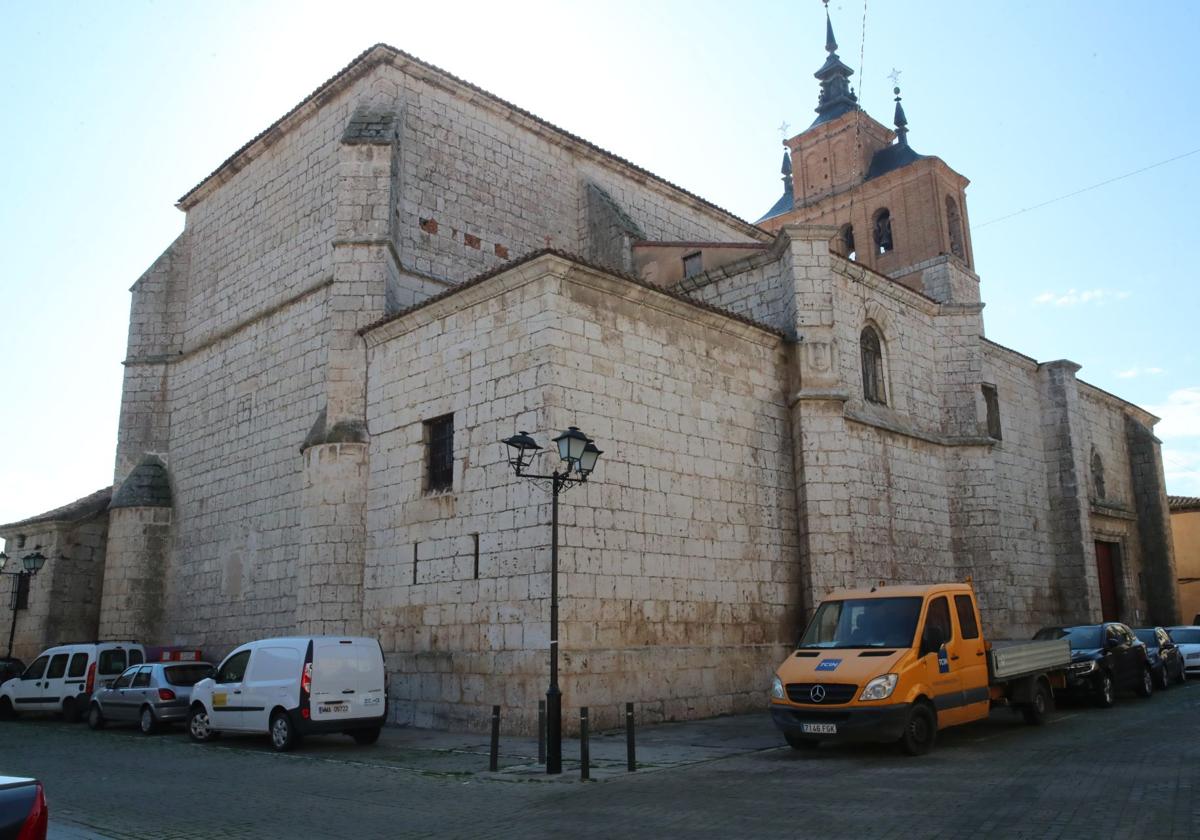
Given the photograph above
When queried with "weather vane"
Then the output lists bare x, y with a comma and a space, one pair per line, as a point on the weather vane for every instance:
783, 128
895, 77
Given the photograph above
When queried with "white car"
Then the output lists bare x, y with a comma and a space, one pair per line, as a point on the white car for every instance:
291, 687
1187, 639
63, 678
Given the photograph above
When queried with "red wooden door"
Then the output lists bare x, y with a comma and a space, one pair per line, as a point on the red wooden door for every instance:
1108, 581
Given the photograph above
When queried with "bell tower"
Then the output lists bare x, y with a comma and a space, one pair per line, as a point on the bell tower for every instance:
895, 209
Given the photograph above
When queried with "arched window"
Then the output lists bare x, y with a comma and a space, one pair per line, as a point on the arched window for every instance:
1098, 475
882, 229
846, 236
954, 224
872, 366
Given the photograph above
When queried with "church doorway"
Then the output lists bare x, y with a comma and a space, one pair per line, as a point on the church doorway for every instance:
1106, 572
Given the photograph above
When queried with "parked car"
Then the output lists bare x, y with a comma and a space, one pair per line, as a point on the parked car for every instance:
289, 688
10, 667
23, 811
1166, 661
150, 695
1105, 658
62, 678
1187, 639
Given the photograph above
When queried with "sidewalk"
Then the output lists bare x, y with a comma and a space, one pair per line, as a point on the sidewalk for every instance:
658, 747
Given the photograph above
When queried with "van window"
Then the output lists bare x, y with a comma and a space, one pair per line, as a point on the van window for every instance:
966, 617
142, 680
276, 663
78, 665
135, 657
58, 666
234, 668
111, 661
35, 671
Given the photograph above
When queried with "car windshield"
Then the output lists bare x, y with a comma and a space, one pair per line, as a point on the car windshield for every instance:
1080, 638
1146, 637
863, 622
1185, 635
187, 675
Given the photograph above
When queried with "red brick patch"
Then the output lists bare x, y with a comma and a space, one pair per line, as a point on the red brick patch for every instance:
471, 241
429, 225
501, 251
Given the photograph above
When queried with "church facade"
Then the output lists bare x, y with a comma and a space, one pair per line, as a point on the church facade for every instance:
404, 270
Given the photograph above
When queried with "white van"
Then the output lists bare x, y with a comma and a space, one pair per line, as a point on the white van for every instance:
63, 678
293, 687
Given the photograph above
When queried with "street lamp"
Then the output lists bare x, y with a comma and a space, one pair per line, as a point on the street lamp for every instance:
31, 565
579, 455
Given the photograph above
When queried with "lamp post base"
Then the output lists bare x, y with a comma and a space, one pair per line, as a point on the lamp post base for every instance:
553, 731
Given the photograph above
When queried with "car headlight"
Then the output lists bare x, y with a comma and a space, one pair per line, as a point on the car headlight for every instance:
777, 689
880, 688
1082, 667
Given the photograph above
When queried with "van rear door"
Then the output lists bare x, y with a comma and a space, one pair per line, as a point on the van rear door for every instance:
347, 679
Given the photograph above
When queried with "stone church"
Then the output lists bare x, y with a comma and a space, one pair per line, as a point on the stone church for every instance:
404, 270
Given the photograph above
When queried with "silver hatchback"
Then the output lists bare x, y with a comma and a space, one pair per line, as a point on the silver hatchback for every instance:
149, 695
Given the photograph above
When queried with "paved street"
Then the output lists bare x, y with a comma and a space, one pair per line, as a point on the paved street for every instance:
1128, 772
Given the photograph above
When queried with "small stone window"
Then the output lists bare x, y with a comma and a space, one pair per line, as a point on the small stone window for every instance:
846, 237
693, 264
439, 453
1098, 475
991, 402
955, 229
872, 366
882, 230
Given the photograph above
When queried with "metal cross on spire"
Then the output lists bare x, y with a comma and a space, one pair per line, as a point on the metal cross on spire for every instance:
895, 77
783, 129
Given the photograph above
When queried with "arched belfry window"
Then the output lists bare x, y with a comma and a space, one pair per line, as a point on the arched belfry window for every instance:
847, 241
955, 229
872, 365
882, 230
1098, 475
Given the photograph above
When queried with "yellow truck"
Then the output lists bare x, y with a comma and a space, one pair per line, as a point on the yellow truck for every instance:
899, 663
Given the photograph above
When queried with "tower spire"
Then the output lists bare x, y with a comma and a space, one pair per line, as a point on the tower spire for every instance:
837, 97
900, 120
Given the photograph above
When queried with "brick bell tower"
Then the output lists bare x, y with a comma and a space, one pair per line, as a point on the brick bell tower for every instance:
895, 209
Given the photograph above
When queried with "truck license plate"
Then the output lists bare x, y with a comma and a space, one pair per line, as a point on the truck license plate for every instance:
333, 708
819, 728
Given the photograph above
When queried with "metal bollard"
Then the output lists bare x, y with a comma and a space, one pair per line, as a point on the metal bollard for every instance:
494, 763
584, 756
630, 750
541, 732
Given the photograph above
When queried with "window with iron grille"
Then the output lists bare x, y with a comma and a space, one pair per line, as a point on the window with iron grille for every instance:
872, 366
20, 596
439, 453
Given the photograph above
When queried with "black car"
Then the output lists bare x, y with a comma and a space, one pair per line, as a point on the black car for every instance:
10, 667
1166, 660
1105, 658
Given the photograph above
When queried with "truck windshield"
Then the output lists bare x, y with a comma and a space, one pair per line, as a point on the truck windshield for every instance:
863, 623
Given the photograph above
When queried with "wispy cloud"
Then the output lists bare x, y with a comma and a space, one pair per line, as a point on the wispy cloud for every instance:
1076, 297
1133, 372
1180, 414
1179, 430
1181, 467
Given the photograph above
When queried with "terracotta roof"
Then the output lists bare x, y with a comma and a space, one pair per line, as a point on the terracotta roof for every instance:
530, 257
1183, 504
364, 62
79, 509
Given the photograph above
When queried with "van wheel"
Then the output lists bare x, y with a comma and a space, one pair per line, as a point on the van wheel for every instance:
146, 722
365, 737
95, 717
7, 712
1104, 691
283, 733
920, 730
1146, 687
70, 710
199, 726
1036, 710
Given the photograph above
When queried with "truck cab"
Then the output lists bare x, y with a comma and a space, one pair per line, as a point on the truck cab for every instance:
892, 663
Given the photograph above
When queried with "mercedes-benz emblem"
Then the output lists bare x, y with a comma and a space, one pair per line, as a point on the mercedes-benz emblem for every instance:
817, 694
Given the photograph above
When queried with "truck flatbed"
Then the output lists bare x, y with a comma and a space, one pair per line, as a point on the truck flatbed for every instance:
1010, 659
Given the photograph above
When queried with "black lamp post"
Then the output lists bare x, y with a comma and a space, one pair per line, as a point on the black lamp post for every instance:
579, 455
32, 564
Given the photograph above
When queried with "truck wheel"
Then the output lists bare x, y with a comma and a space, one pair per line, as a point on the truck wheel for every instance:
920, 730
70, 710
1036, 710
798, 743
1146, 686
1104, 691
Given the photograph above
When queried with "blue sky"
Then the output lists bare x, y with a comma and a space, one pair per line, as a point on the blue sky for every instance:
114, 110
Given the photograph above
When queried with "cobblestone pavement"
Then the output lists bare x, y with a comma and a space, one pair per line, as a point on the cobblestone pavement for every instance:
1128, 772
